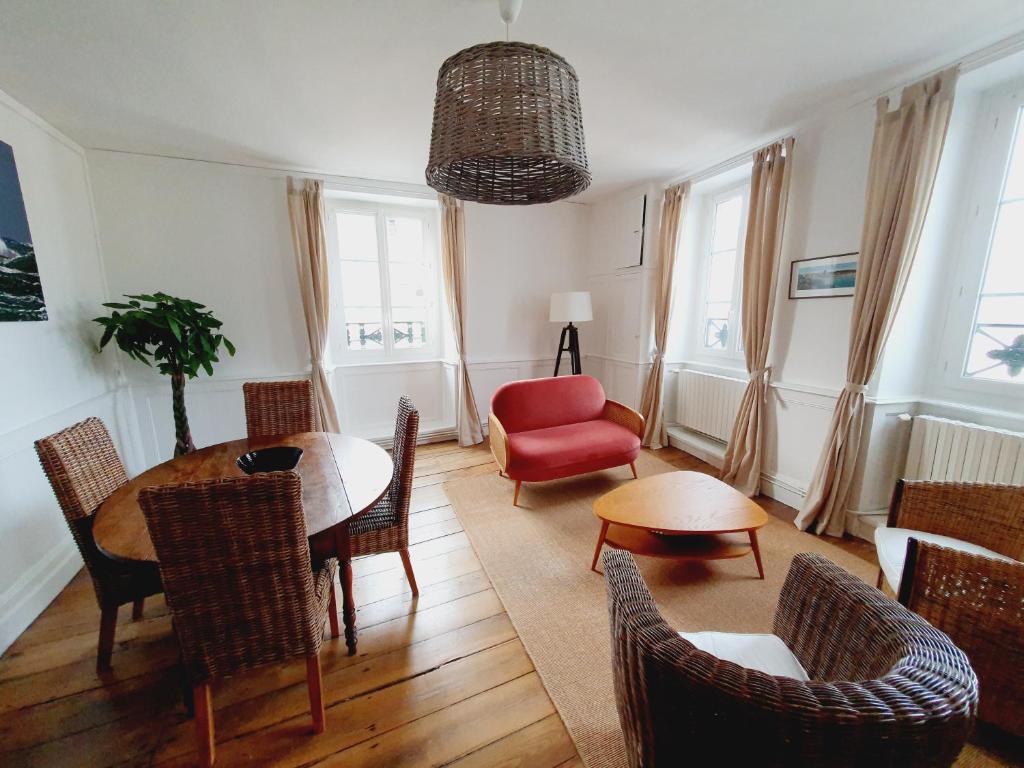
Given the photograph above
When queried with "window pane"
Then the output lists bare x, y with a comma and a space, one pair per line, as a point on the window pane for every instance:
1015, 173
1005, 271
727, 224
721, 273
405, 239
360, 291
408, 277
997, 351
716, 325
357, 236
410, 327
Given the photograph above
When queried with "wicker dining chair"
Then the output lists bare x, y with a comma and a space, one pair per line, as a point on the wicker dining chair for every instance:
979, 602
279, 407
983, 518
83, 468
237, 574
385, 527
885, 688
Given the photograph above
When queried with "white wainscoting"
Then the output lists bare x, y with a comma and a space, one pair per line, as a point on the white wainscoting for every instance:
36, 547
366, 397
623, 380
487, 374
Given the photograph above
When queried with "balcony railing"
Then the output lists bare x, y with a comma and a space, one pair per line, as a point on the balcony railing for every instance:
405, 333
1002, 353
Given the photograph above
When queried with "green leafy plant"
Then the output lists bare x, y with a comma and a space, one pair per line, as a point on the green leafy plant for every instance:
181, 336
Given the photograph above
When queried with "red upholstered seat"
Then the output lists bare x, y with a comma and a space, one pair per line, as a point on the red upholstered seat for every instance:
570, 449
544, 429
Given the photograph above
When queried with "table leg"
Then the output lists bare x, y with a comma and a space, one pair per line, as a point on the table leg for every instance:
600, 543
757, 552
348, 606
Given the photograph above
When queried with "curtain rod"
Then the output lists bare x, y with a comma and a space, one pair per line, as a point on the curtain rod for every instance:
968, 63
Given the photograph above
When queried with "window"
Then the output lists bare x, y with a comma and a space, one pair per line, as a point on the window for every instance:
385, 262
995, 350
724, 230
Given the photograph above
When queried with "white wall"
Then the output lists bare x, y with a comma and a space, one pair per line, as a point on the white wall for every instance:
516, 257
618, 344
53, 376
220, 234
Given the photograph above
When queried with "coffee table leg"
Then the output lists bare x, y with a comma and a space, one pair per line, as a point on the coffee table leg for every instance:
757, 552
600, 543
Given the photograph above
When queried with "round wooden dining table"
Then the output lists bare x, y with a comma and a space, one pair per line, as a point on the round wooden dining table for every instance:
342, 477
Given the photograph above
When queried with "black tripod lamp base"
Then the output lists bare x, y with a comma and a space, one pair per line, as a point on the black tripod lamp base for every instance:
570, 331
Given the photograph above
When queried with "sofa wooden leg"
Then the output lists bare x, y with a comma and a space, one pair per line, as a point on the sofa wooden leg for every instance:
632, 466
515, 497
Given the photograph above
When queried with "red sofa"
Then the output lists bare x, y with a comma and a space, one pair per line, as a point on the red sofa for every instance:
544, 429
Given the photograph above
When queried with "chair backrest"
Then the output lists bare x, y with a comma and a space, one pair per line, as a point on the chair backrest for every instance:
988, 514
403, 454
279, 407
235, 565
84, 468
552, 402
979, 602
676, 701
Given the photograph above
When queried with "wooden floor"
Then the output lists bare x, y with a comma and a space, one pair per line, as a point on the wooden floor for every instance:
442, 680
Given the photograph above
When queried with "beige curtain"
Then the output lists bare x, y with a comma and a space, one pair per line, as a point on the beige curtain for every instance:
306, 210
766, 219
904, 160
453, 258
673, 207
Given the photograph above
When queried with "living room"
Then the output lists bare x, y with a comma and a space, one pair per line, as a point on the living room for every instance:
771, 254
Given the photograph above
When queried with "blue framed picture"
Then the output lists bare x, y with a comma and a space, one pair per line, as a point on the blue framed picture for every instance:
21, 292
823, 277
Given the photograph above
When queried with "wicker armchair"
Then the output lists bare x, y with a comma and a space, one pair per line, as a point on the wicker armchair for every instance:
979, 603
385, 528
886, 689
83, 467
239, 582
279, 408
980, 518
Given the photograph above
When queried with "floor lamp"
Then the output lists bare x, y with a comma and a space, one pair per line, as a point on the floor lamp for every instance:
571, 307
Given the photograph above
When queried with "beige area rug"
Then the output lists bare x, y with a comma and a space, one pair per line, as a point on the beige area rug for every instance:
538, 559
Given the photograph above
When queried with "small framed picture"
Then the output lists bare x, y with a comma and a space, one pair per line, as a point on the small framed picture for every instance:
823, 277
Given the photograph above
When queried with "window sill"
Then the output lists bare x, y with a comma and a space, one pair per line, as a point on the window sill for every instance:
387, 363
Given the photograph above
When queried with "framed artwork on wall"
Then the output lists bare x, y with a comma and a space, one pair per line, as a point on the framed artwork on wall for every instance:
823, 277
21, 292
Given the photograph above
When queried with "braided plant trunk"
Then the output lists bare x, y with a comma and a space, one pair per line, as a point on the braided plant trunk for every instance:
182, 434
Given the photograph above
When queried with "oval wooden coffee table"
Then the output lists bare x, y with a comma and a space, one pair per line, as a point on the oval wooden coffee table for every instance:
682, 515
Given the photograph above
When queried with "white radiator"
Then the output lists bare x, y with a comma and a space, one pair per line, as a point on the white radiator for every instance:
707, 403
941, 449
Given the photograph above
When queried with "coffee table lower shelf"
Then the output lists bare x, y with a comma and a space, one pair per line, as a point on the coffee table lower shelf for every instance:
641, 541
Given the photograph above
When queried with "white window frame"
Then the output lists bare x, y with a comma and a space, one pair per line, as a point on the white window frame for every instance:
340, 353
993, 136
734, 348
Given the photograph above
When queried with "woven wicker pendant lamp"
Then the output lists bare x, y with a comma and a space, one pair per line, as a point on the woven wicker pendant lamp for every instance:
507, 128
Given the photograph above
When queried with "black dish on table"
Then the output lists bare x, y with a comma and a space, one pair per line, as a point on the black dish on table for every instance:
277, 459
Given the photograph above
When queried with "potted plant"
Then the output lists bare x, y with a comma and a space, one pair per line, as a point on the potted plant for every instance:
180, 335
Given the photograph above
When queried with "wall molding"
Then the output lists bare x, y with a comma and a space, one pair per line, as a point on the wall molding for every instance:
36, 588
787, 490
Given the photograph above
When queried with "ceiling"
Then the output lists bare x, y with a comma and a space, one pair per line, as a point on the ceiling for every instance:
346, 86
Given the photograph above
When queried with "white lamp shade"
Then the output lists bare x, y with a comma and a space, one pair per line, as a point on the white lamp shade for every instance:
571, 307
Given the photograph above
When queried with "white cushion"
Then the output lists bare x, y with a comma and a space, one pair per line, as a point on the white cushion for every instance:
765, 653
891, 544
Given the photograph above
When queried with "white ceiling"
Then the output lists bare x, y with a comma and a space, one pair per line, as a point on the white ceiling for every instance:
346, 87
